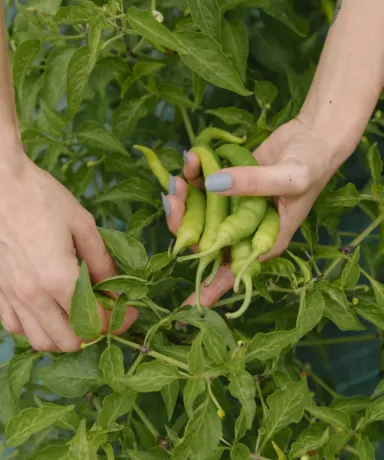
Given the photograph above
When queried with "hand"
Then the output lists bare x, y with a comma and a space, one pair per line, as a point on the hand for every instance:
42, 228
295, 165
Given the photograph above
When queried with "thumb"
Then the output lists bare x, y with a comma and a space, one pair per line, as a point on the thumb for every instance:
272, 180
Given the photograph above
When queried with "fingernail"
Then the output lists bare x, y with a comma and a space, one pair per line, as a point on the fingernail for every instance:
185, 156
172, 185
218, 182
166, 205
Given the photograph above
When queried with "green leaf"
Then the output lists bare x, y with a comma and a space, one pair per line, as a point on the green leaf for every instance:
77, 14
240, 452
242, 386
157, 453
49, 120
199, 85
378, 289
279, 267
365, 448
79, 69
376, 167
151, 377
19, 372
112, 366
175, 96
133, 287
337, 308
235, 44
51, 453
170, 394
55, 75
336, 418
215, 346
127, 115
32, 420
346, 196
335, 445
279, 452
265, 93
202, 54
308, 440
125, 248
375, 412
265, 346
233, 116
193, 389
286, 406
196, 361
115, 405
304, 267
74, 374
139, 220
352, 404
142, 68
310, 312
118, 313
370, 311
69, 421
96, 135
351, 272
23, 59
202, 434
241, 425
94, 38
157, 262
80, 448
129, 190
207, 16
84, 315
108, 449
147, 26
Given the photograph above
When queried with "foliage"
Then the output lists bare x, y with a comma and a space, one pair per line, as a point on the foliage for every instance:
94, 79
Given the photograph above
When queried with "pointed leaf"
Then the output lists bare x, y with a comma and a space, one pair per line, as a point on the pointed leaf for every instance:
351, 272
115, 405
96, 135
235, 43
193, 389
207, 16
151, 377
365, 448
170, 394
265, 346
242, 386
23, 59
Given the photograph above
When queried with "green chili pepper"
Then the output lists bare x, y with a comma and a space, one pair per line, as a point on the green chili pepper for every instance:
206, 136
155, 164
216, 212
250, 211
262, 242
192, 225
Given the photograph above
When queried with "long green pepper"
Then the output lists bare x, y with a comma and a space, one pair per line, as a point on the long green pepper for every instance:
262, 242
243, 222
192, 225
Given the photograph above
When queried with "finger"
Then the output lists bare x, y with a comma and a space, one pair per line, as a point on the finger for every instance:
178, 187
37, 336
174, 208
8, 317
221, 285
281, 179
90, 247
192, 168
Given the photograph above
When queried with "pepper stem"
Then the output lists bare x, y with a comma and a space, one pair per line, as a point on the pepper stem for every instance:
199, 278
215, 269
244, 268
247, 280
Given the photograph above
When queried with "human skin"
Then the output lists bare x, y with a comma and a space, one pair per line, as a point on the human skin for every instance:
42, 230
299, 158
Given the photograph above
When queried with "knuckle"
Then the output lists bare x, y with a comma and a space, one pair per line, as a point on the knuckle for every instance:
43, 345
29, 288
11, 325
56, 280
89, 220
70, 346
302, 181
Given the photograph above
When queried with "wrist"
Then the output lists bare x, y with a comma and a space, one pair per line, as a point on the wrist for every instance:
12, 152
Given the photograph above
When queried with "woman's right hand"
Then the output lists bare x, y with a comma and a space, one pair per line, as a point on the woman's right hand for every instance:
295, 165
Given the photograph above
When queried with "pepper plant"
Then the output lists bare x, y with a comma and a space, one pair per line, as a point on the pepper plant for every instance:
92, 80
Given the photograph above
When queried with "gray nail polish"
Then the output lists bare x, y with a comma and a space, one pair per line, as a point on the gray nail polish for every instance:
172, 185
185, 156
218, 182
166, 205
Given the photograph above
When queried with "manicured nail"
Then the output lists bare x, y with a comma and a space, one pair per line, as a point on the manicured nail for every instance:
185, 156
172, 185
166, 205
218, 182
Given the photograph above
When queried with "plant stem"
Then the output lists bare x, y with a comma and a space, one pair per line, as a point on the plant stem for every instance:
321, 383
351, 450
235, 298
152, 354
90, 344
153, 5
226, 442
5, 364
139, 46
336, 341
188, 125
261, 397
214, 400
135, 365
180, 422
146, 421
111, 40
